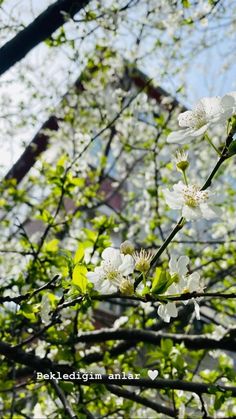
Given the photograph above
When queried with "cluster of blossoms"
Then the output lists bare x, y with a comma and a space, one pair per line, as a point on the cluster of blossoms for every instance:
114, 274
194, 202
207, 112
116, 267
183, 283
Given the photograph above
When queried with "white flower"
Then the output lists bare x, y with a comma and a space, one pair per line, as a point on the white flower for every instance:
182, 284
178, 266
45, 309
147, 307
190, 200
114, 267
218, 333
120, 322
187, 284
166, 311
126, 248
228, 102
207, 112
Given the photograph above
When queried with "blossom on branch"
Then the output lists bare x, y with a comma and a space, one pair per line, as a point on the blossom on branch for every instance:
206, 113
182, 284
114, 269
191, 200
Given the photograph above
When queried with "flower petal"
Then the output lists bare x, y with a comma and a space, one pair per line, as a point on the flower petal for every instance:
191, 213
171, 309
212, 106
197, 309
182, 265
207, 212
112, 256
162, 312
173, 264
180, 137
193, 282
186, 119
127, 266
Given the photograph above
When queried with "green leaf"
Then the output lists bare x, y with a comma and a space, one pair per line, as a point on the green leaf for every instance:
79, 277
28, 311
161, 281
166, 346
219, 400
51, 246
79, 254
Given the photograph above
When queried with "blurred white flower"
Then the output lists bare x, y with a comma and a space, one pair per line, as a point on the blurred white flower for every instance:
218, 333
120, 322
207, 112
191, 200
228, 102
45, 309
108, 277
147, 307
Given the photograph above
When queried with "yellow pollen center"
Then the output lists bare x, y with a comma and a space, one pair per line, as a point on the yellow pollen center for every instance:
191, 201
111, 275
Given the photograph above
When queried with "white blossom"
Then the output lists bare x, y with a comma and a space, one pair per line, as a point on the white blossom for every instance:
207, 112
183, 283
115, 266
166, 311
45, 309
120, 322
228, 102
191, 200
218, 333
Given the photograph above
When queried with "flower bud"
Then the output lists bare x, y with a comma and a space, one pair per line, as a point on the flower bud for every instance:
126, 287
181, 160
182, 165
127, 248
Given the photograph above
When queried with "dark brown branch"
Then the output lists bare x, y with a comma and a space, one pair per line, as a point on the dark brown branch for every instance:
29, 295
45, 365
165, 298
121, 392
37, 146
191, 341
38, 31
62, 397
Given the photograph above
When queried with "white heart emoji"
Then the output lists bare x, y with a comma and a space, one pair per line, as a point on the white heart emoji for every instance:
152, 374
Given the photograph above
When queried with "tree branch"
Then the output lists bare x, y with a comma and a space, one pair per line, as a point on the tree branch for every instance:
135, 335
45, 365
121, 392
37, 31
